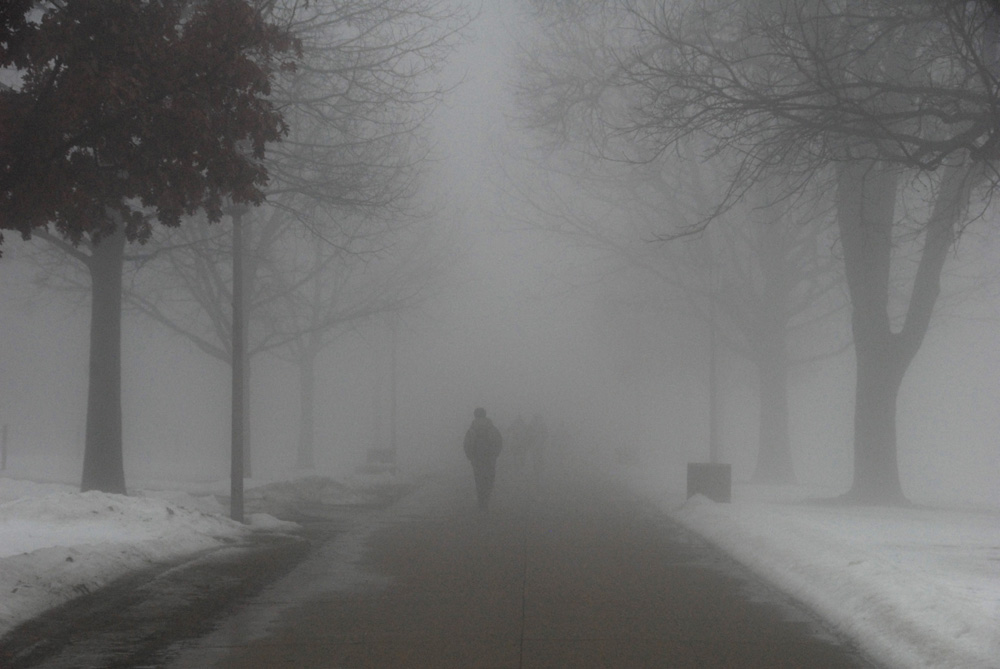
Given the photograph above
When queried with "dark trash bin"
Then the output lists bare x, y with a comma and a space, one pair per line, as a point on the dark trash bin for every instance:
711, 479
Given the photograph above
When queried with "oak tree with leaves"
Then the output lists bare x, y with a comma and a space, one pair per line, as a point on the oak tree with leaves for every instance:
119, 114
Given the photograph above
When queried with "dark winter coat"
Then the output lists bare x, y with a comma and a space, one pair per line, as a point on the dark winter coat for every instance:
482, 440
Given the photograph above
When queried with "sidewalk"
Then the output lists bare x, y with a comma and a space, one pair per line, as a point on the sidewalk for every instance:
570, 574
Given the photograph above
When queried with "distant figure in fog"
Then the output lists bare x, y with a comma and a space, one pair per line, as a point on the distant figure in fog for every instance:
482, 446
559, 442
517, 441
538, 435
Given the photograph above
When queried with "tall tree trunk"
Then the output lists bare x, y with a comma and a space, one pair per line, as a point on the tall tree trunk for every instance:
865, 212
306, 456
103, 465
876, 467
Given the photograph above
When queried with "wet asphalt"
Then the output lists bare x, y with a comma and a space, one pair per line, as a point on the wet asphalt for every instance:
569, 572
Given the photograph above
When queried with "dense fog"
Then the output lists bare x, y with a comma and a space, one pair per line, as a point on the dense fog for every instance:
521, 320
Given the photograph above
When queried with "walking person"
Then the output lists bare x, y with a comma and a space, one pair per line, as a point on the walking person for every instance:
482, 446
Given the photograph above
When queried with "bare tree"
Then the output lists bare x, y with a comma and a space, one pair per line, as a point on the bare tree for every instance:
857, 94
122, 114
346, 172
873, 89
757, 279
762, 280
331, 292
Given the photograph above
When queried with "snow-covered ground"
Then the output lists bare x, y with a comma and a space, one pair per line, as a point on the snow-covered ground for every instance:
57, 543
915, 587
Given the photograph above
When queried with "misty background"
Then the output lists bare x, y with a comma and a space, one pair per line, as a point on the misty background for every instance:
520, 321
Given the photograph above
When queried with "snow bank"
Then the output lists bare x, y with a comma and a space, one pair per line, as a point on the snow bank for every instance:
914, 587
58, 546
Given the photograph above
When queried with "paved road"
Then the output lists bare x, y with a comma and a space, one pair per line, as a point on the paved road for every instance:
575, 573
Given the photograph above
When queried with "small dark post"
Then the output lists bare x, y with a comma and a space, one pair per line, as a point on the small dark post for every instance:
393, 383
